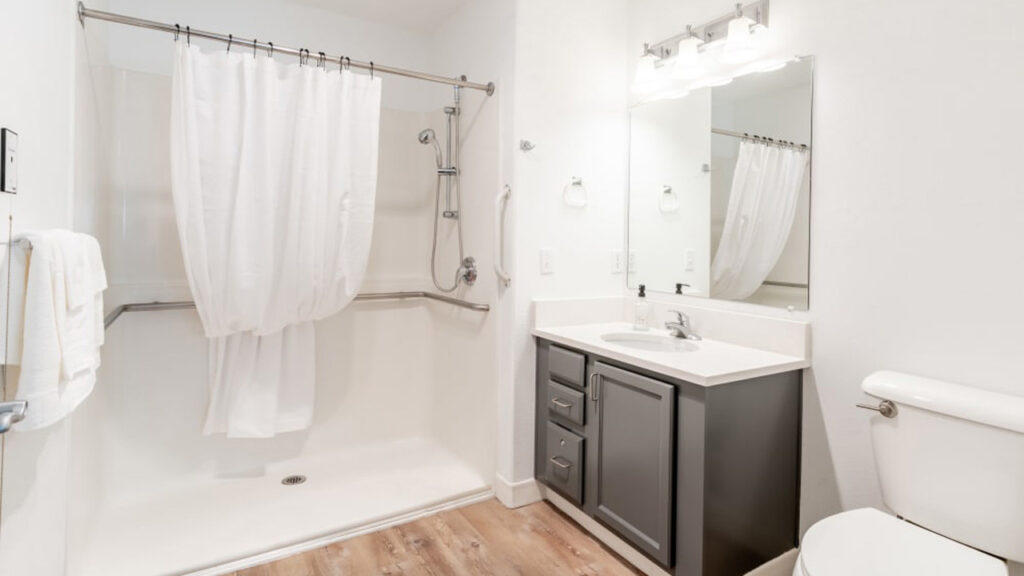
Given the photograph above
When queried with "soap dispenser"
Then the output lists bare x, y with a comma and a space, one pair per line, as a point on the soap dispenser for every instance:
642, 310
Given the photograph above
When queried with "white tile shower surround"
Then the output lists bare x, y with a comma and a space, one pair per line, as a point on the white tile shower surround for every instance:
195, 527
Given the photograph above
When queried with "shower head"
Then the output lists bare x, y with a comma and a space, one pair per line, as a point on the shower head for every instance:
428, 137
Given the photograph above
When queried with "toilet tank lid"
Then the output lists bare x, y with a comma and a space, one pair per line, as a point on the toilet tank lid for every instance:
984, 406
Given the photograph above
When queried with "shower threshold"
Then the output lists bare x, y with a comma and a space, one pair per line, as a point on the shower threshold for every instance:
235, 523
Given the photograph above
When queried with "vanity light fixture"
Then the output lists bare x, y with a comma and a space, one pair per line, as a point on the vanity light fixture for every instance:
646, 79
739, 45
688, 65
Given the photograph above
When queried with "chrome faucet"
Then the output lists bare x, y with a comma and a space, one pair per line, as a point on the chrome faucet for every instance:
681, 328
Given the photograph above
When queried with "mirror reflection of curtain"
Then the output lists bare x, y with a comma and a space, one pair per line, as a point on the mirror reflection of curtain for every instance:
762, 206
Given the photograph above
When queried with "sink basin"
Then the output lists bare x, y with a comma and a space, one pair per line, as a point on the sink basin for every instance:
649, 342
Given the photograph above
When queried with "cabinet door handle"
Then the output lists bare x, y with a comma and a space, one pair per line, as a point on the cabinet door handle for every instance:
595, 383
561, 403
557, 461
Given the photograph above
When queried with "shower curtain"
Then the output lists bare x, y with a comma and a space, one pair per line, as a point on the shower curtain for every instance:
273, 174
762, 204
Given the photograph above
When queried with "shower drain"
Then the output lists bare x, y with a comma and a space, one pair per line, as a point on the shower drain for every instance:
293, 480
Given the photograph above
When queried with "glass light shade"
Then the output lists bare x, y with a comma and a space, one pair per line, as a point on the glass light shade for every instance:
646, 79
739, 45
688, 65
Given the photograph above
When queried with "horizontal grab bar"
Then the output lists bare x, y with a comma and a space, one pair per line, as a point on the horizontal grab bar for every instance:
186, 304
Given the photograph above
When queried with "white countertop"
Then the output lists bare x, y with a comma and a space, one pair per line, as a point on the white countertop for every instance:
713, 362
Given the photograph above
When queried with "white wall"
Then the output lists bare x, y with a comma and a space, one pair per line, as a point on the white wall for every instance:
571, 101
917, 214
38, 63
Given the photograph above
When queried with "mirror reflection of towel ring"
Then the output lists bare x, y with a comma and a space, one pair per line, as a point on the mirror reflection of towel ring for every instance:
574, 194
668, 200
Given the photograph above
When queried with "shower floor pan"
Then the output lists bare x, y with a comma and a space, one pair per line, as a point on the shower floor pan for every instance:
233, 523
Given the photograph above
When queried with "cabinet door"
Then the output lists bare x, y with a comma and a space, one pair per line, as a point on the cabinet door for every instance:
635, 422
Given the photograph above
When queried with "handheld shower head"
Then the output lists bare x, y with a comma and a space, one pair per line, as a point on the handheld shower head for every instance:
428, 137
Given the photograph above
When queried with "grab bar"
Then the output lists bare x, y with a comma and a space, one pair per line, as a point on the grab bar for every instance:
500, 204
186, 304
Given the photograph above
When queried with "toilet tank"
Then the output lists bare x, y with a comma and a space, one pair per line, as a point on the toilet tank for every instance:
952, 460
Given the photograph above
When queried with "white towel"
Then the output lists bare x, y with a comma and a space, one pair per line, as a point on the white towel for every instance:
63, 325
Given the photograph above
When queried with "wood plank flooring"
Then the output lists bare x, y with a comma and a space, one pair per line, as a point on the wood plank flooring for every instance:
482, 539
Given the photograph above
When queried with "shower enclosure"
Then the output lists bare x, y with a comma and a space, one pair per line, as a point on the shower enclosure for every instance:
405, 399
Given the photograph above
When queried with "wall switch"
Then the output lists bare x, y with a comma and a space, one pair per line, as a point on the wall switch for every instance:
545, 261
9, 165
690, 256
617, 263
631, 264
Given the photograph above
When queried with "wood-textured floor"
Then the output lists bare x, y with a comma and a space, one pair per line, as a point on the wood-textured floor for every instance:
481, 539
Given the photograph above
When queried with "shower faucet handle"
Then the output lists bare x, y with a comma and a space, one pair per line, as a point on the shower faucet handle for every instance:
11, 413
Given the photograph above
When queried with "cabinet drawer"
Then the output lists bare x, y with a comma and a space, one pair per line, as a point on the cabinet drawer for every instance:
565, 462
566, 366
565, 403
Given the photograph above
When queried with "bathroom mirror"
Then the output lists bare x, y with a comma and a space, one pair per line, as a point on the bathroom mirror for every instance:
719, 190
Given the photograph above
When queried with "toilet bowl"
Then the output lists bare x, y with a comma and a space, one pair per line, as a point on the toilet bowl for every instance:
869, 542
950, 459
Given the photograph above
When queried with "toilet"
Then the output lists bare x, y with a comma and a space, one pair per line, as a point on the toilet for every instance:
951, 467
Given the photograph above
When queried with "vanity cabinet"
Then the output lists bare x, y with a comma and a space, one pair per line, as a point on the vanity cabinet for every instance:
704, 480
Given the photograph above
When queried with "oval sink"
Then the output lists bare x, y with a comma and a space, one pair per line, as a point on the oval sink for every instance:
649, 342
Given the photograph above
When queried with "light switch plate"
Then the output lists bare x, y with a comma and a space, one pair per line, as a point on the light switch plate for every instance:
617, 258
545, 261
9, 166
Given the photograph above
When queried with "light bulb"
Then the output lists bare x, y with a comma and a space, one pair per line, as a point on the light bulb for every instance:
646, 79
739, 45
688, 65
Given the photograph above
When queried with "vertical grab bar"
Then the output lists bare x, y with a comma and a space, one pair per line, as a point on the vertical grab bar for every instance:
500, 204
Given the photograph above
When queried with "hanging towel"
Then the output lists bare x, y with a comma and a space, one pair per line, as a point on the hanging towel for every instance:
274, 174
63, 325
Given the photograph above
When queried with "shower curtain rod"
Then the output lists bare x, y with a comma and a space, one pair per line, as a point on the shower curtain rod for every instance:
762, 139
188, 304
253, 44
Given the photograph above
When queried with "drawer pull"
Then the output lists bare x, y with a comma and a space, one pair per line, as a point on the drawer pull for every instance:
557, 461
561, 403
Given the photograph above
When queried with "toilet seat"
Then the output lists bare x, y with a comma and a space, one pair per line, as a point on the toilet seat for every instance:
868, 542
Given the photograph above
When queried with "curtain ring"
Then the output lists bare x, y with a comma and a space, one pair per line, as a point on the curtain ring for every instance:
341, 63
231, 38
270, 50
177, 32
253, 48
371, 69
348, 63
322, 60
188, 35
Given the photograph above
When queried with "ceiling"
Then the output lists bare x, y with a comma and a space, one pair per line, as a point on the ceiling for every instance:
418, 15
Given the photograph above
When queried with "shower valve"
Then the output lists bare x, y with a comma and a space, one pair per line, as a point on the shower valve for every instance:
469, 273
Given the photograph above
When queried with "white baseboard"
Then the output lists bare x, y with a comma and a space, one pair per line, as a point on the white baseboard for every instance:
780, 566
516, 494
606, 536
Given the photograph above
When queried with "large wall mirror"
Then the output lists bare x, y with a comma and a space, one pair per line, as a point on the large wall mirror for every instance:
720, 190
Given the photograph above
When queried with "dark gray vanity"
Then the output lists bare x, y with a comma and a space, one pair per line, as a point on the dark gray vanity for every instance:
704, 480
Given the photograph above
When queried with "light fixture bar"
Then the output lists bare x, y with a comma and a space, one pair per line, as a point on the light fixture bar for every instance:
709, 32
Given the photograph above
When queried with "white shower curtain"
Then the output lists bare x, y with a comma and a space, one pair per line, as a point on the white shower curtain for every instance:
274, 172
762, 204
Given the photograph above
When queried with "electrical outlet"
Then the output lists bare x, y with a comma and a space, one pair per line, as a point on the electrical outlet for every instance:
9, 165
617, 261
545, 261
631, 264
